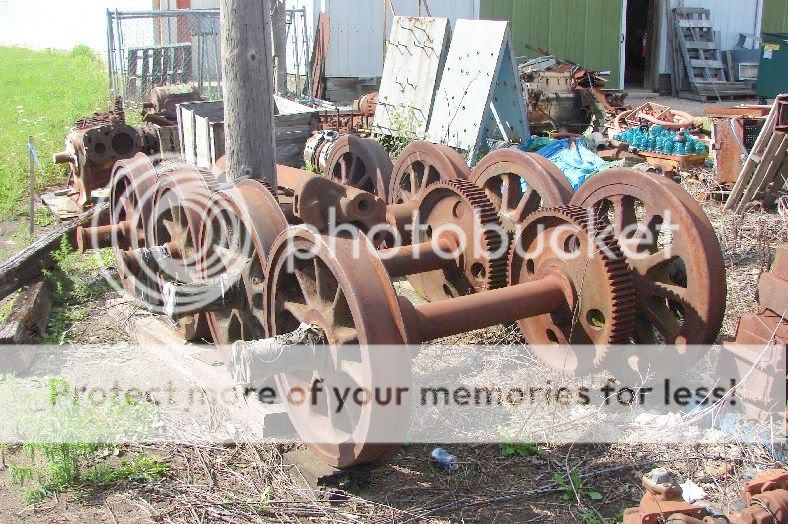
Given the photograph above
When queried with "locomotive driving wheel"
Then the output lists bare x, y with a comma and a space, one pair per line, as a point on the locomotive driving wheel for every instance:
180, 204
361, 163
519, 183
339, 285
675, 258
421, 164
236, 237
132, 191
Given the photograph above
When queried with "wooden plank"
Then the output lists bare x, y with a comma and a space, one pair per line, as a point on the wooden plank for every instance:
705, 24
694, 44
706, 63
751, 164
776, 162
29, 316
26, 266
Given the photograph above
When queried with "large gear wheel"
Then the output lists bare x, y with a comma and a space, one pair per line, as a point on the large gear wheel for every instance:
459, 208
600, 306
675, 259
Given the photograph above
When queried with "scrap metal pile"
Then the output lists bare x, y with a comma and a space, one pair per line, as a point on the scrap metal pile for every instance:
235, 262
765, 502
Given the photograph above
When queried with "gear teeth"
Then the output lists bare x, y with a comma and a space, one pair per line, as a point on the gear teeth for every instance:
618, 274
496, 268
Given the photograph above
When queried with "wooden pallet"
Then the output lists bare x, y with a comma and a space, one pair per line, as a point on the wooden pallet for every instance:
714, 97
698, 47
766, 168
674, 162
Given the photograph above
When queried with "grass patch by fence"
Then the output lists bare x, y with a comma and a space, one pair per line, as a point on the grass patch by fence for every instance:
43, 93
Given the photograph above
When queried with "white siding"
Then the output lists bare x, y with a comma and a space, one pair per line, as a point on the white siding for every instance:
730, 17
357, 31
59, 24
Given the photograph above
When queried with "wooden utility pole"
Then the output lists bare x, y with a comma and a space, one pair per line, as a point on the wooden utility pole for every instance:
248, 90
280, 45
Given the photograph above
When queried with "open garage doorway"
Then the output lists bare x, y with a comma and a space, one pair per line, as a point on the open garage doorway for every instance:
641, 34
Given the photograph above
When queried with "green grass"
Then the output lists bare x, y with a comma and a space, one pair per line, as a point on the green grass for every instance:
43, 93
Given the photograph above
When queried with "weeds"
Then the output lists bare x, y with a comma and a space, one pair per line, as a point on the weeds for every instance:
572, 487
405, 128
74, 282
69, 442
511, 446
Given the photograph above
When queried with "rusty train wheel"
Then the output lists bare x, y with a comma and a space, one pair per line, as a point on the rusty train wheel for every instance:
320, 280
421, 164
179, 207
519, 183
459, 206
600, 294
360, 163
675, 256
132, 191
236, 236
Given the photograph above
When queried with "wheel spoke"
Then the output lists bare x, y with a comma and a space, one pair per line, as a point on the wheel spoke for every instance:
664, 321
528, 204
297, 309
623, 214
651, 263
506, 192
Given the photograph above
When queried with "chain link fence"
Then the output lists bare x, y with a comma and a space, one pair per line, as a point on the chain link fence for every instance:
147, 49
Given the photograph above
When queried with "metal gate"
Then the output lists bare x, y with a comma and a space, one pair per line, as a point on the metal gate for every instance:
146, 49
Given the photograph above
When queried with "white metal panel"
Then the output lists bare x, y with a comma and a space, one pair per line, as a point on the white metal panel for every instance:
357, 30
729, 17
414, 60
480, 95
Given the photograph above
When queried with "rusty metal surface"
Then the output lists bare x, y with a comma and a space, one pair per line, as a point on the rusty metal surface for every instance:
419, 165
368, 104
164, 101
179, 206
600, 293
681, 290
732, 139
458, 205
320, 201
662, 502
131, 204
318, 149
360, 163
236, 235
354, 304
519, 183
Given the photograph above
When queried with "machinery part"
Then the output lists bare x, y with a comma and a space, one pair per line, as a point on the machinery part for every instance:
421, 164
773, 286
519, 183
131, 203
675, 256
236, 235
662, 502
164, 101
318, 149
660, 115
179, 206
339, 285
221, 293
599, 309
368, 104
360, 163
319, 201
101, 237
91, 153
459, 208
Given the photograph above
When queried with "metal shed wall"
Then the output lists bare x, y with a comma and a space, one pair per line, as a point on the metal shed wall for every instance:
584, 31
775, 16
357, 30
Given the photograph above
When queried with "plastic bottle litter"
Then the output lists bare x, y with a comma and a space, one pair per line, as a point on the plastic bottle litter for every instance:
444, 460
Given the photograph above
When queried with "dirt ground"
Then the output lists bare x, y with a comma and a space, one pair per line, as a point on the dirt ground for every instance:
258, 483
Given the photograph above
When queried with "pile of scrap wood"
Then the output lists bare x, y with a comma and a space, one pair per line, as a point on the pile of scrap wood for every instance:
765, 172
